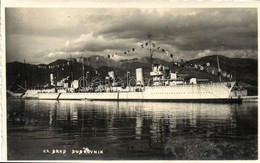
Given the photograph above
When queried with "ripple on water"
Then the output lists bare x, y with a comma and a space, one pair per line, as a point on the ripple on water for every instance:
132, 130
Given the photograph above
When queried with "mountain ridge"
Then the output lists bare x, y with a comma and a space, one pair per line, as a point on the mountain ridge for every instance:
244, 70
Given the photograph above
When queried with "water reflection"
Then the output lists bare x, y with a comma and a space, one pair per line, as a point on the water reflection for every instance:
128, 130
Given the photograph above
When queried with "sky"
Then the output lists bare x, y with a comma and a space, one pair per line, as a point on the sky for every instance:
42, 35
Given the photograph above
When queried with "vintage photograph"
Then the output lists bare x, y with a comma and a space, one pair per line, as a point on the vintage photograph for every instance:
131, 83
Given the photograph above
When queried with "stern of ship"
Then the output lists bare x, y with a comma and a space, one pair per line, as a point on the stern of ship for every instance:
233, 99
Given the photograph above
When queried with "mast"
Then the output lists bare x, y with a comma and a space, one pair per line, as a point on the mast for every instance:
151, 52
150, 48
71, 68
83, 71
219, 69
25, 77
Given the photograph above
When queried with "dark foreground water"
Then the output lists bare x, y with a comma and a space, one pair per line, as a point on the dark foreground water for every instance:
84, 130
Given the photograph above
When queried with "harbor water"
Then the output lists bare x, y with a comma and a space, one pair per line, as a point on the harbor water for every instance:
94, 130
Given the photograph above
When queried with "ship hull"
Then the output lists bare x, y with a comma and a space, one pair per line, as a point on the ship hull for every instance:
227, 100
215, 92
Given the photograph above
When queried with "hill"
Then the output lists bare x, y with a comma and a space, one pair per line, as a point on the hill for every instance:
244, 70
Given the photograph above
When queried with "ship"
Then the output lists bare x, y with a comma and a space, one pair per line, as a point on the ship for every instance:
163, 85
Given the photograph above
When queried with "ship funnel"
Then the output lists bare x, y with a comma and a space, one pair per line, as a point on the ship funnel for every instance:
139, 76
51, 79
111, 74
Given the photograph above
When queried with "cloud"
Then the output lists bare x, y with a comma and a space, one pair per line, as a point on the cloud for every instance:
44, 22
189, 33
96, 43
33, 49
199, 30
204, 53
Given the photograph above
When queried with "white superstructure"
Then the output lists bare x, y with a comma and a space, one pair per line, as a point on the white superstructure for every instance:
166, 86
214, 91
